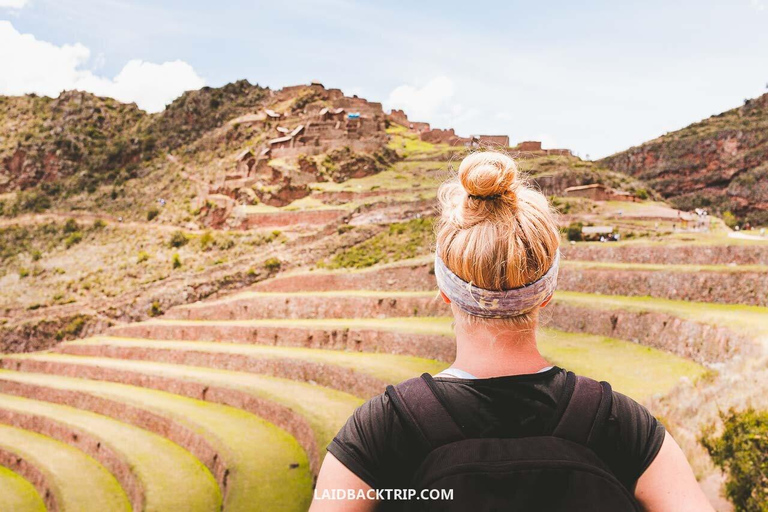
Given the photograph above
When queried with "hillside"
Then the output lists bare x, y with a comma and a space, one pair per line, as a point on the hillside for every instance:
719, 163
256, 260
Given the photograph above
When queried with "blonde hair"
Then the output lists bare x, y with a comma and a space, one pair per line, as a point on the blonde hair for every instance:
494, 230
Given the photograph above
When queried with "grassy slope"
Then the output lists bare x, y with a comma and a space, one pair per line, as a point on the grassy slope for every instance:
66, 468
390, 368
595, 356
38, 268
171, 477
259, 462
326, 410
17, 494
753, 319
632, 369
584, 354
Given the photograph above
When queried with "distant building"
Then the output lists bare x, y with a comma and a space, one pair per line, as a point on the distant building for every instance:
529, 145
492, 140
601, 233
599, 192
595, 192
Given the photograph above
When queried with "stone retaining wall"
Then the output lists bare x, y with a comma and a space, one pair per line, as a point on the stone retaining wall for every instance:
292, 219
402, 277
34, 476
81, 440
277, 414
692, 254
326, 375
431, 346
311, 306
725, 287
749, 288
700, 342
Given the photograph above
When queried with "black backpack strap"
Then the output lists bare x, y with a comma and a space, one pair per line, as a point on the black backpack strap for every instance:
422, 411
585, 411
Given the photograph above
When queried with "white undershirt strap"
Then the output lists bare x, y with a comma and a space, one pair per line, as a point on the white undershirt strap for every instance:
461, 374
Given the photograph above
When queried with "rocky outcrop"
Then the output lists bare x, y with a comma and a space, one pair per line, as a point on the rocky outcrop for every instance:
718, 163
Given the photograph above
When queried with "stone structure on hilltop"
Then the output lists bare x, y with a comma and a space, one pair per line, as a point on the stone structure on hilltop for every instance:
399, 117
324, 119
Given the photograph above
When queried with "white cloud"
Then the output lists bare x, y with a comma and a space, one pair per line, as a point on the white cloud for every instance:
757, 5
13, 4
423, 103
30, 65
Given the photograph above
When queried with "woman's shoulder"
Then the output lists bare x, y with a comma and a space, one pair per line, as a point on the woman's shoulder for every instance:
631, 439
372, 443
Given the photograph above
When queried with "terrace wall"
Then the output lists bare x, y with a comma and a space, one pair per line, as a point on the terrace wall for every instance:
750, 288
692, 254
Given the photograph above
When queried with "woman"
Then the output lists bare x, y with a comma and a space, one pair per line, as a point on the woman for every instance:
496, 265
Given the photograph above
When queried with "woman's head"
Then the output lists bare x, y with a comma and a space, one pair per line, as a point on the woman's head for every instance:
495, 232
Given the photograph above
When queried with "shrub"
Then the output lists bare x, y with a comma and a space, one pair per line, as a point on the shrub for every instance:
154, 309
152, 213
642, 193
36, 255
99, 224
23, 272
272, 264
72, 239
143, 256
176, 261
33, 202
206, 240
71, 226
402, 240
741, 452
226, 244
730, 219
75, 327
178, 239
574, 231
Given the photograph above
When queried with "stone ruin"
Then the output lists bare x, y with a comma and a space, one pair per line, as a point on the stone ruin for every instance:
449, 136
305, 121
326, 121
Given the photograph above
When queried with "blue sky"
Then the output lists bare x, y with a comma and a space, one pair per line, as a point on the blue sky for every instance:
595, 77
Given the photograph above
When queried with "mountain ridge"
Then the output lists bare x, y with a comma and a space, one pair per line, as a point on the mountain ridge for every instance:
720, 163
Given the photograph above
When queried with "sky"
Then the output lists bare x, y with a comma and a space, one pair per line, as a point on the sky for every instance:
595, 77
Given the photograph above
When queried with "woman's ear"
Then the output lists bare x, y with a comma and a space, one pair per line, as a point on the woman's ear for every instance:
546, 301
445, 297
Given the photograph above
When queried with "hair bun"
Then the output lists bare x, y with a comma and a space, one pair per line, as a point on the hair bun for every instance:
488, 175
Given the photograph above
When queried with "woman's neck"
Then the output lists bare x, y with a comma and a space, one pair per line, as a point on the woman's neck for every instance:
485, 350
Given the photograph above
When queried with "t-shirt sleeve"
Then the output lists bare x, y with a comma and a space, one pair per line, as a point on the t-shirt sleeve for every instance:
633, 438
372, 443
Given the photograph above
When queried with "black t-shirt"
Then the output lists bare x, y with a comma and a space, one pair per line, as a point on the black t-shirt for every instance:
375, 446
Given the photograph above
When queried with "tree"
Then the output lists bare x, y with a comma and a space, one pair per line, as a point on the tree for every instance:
742, 452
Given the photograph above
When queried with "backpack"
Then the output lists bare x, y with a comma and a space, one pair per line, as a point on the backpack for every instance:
552, 473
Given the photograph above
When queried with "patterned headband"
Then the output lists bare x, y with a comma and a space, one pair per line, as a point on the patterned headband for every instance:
495, 303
